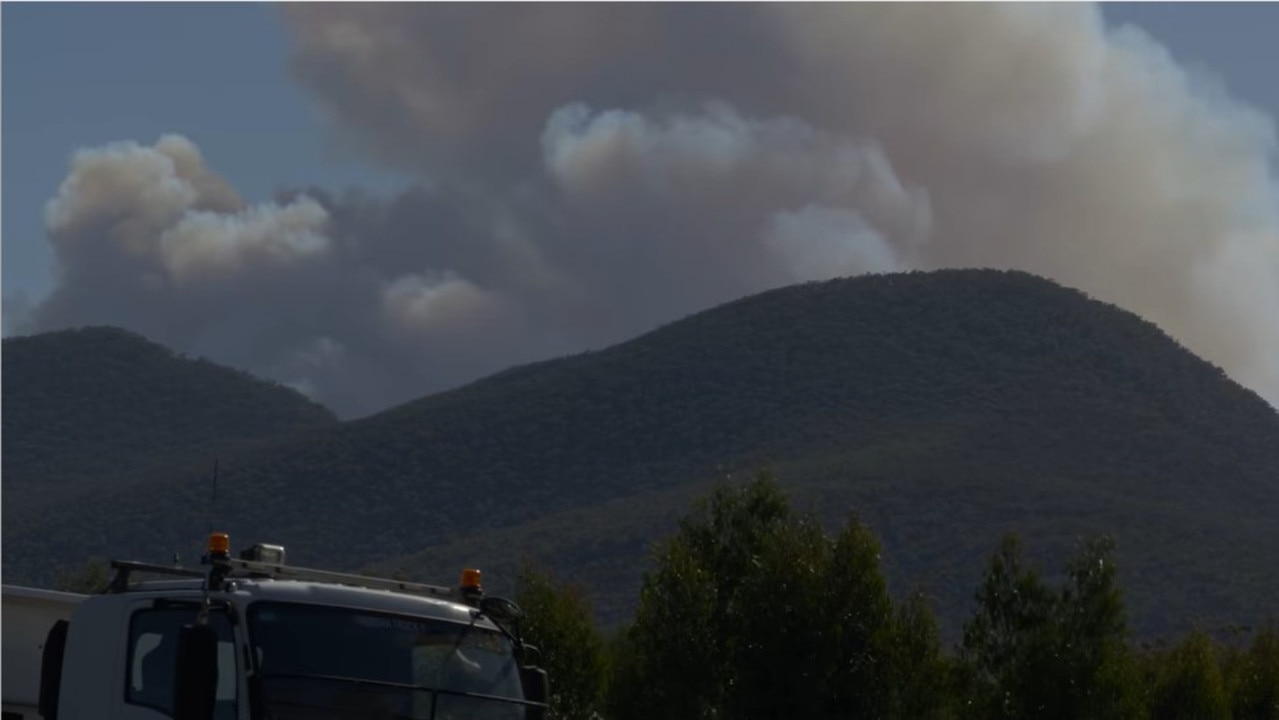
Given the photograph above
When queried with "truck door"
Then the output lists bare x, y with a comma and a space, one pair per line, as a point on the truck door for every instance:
151, 656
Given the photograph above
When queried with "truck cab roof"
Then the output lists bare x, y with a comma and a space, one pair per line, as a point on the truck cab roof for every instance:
246, 590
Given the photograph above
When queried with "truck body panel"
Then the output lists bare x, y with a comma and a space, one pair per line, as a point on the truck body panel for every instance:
26, 615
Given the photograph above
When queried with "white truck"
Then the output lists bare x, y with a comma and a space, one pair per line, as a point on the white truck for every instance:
251, 638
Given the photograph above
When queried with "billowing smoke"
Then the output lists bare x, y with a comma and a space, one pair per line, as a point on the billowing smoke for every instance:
591, 171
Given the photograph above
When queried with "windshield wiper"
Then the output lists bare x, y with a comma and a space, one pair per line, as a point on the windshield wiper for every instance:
397, 685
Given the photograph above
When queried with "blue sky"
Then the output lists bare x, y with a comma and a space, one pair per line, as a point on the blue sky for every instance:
77, 75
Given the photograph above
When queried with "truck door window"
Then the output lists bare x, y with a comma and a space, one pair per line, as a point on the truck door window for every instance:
153, 642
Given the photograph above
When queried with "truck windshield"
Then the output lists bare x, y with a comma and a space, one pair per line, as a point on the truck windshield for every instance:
327, 663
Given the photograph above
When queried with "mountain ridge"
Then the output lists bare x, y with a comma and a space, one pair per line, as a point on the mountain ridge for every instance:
945, 406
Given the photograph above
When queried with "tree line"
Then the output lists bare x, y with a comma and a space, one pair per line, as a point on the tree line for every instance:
753, 610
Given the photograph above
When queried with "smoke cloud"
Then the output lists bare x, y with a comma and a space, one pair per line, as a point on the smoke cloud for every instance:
591, 171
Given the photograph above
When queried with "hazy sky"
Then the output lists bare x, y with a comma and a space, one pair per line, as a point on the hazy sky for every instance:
82, 76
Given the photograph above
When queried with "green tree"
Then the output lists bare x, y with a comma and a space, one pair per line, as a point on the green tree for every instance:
1035, 652
755, 612
920, 676
686, 630
1254, 683
779, 663
1007, 646
1186, 683
624, 688
1098, 673
858, 615
558, 622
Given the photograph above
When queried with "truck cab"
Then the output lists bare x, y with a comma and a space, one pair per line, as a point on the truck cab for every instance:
254, 639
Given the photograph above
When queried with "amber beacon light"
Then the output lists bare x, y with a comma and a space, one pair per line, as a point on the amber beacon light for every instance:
219, 544
470, 579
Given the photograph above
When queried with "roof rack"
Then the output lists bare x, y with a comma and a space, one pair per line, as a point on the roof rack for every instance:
124, 568
223, 567
238, 567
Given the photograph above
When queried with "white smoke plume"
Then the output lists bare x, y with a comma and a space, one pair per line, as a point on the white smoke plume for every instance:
595, 170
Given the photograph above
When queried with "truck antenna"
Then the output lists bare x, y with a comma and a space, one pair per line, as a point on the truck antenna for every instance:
213, 505
212, 515
213, 510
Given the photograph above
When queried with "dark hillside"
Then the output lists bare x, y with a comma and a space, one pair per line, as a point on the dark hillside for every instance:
83, 404
945, 407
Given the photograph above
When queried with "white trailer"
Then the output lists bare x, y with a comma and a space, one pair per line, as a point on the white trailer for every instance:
28, 615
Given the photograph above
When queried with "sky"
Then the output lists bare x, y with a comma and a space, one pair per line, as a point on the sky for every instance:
84, 74
523, 187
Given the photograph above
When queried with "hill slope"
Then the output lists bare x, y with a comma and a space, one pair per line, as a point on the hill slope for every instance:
84, 405
944, 407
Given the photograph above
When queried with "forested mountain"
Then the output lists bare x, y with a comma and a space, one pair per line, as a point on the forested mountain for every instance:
92, 412
944, 408
79, 404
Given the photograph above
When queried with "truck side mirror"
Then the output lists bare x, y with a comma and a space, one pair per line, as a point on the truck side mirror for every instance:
195, 681
536, 689
530, 655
